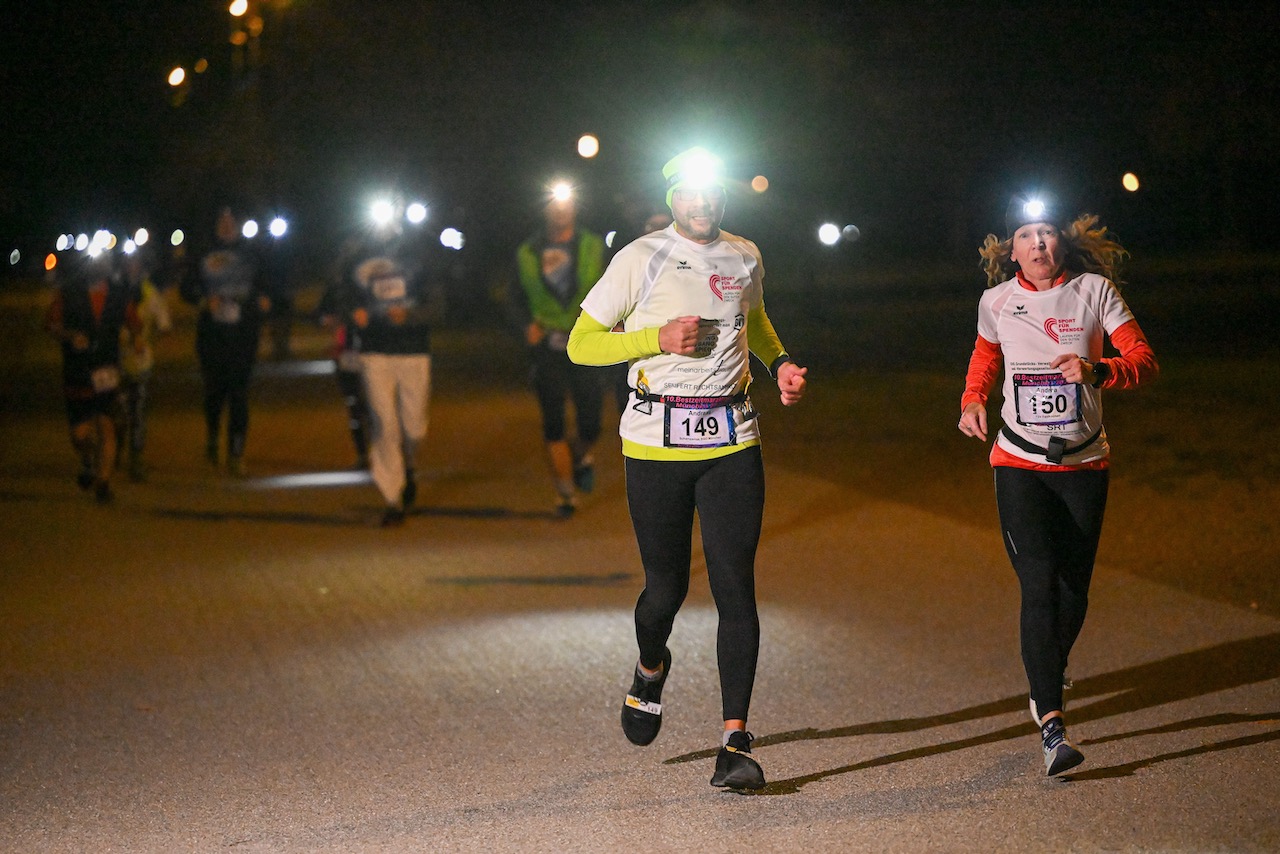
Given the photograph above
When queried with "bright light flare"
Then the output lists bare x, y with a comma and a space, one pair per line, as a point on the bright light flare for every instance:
278, 226
588, 146
238, 8
177, 76
451, 238
14, 257
382, 212
759, 183
1033, 208
177, 237
82, 242
829, 233
1130, 182
50, 261
141, 236
562, 192
702, 169
130, 247
416, 213
65, 242
250, 228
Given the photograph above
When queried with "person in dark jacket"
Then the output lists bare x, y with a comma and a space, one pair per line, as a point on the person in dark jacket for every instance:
228, 287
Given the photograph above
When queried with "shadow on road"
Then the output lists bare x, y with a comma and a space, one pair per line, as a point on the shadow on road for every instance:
1179, 677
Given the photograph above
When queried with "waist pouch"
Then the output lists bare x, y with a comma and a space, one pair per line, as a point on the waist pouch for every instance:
1057, 445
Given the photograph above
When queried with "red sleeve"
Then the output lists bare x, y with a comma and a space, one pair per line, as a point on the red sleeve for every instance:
984, 367
1136, 363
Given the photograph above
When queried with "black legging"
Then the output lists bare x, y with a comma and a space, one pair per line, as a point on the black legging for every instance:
554, 378
1051, 523
728, 495
226, 365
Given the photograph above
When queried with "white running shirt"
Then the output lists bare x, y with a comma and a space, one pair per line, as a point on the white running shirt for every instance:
662, 276
1032, 329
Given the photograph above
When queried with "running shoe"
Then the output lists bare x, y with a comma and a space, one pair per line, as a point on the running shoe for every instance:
410, 492
85, 479
392, 517
642, 708
1059, 753
736, 767
102, 492
584, 477
566, 507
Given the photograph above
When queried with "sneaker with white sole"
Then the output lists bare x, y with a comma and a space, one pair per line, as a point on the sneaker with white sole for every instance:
736, 766
1059, 753
642, 708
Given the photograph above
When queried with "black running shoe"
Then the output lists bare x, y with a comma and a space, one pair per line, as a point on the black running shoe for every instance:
86, 479
1059, 753
736, 767
642, 709
102, 492
410, 492
584, 477
392, 517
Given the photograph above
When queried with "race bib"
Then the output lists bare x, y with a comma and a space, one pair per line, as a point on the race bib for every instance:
698, 422
558, 340
349, 361
105, 379
1046, 399
388, 288
228, 311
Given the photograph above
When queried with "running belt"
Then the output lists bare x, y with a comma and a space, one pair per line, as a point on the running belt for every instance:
1057, 445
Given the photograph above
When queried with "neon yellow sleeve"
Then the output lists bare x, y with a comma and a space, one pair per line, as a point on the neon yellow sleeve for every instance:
761, 337
592, 343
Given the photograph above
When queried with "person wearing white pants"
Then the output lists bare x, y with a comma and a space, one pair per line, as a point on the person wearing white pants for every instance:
386, 302
398, 388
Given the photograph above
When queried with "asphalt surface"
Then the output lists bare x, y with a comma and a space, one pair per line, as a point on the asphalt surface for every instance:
253, 665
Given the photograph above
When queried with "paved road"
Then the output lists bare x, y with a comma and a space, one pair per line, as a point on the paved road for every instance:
254, 666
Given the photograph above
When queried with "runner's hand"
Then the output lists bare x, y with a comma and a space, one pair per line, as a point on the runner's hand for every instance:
791, 382
679, 336
973, 421
1075, 369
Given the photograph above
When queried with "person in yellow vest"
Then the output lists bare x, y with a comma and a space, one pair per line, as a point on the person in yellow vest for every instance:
137, 360
555, 269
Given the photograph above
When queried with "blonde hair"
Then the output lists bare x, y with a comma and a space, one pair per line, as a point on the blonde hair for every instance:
1090, 249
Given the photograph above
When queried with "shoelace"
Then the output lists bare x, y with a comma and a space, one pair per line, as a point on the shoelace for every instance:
1052, 734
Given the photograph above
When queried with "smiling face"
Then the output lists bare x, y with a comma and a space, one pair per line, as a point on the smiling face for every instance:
698, 212
1038, 249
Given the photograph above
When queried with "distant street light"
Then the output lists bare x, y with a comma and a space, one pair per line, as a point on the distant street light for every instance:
278, 227
250, 228
588, 145
176, 76
1130, 182
238, 8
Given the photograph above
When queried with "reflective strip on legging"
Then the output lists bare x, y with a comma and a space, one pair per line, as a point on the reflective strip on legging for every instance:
1051, 522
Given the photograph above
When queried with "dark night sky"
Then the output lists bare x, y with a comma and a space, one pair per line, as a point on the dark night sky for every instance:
913, 120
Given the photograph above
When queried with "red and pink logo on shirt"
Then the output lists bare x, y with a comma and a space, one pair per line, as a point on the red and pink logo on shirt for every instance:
1059, 328
721, 285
